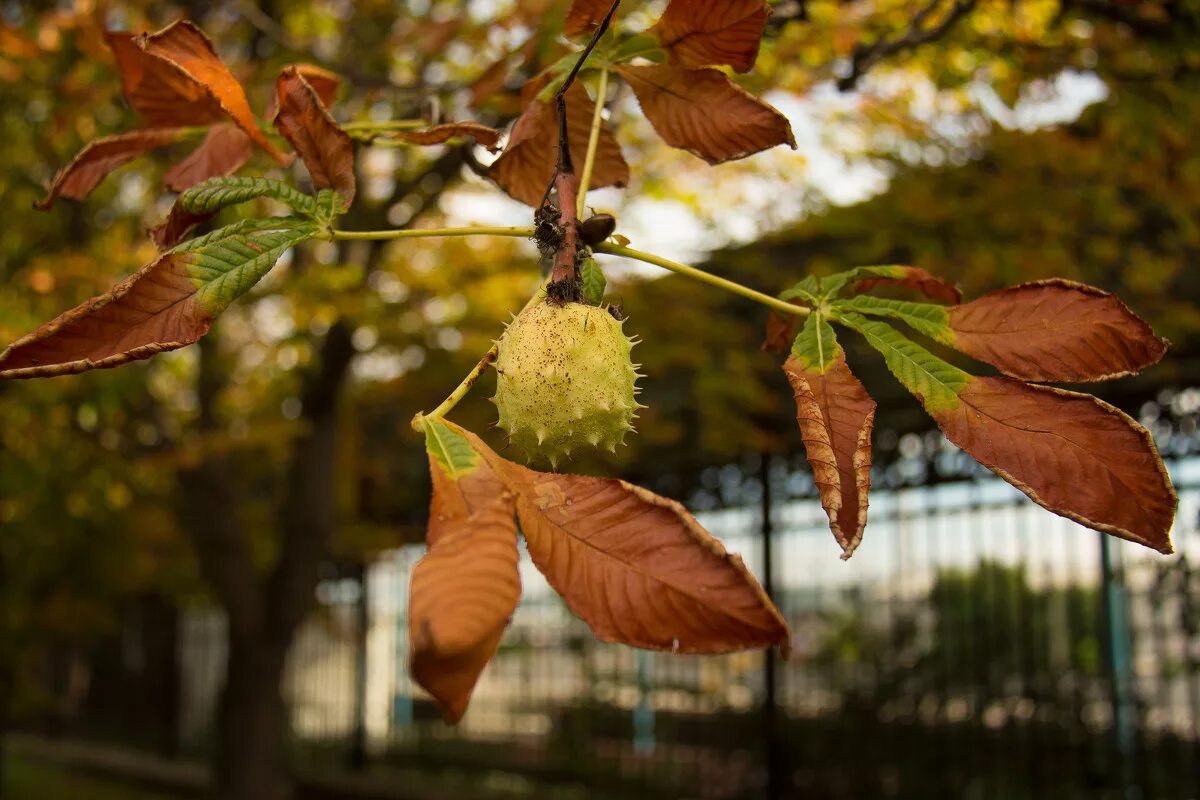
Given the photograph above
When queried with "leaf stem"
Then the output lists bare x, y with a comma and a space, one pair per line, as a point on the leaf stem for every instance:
419, 233
593, 140
464, 386
384, 125
781, 306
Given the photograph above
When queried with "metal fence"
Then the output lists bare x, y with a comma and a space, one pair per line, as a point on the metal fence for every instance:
976, 646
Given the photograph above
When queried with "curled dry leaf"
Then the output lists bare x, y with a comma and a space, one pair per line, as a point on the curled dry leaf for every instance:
168, 304
584, 16
184, 48
162, 94
836, 417
705, 113
921, 280
97, 159
437, 134
223, 152
1055, 330
323, 82
326, 149
698, 33
176, 227
1071, 453
464, 590
526, 166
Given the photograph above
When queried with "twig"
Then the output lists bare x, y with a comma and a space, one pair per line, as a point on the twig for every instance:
564, 178
865, 57
589, 162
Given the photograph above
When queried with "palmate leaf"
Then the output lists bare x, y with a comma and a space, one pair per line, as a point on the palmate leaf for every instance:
1071, 453
636, 567
169, 303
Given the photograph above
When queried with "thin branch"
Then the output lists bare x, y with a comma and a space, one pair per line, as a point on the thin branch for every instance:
867, 56
589, 162
421, 233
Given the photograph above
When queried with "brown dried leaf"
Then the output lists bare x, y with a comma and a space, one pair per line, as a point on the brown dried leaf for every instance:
698, 33
176, 227
637, 567
584, 16
836, 417
916, 278
1055, 330
161, 94
223, 152
437, 134
326, 149
167, 304
705, 113
100, 157
1071, 453
323, 82
525, 167
183, 48
465, 589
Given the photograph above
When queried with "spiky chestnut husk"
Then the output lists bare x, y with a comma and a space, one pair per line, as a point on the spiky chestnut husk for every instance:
565, 380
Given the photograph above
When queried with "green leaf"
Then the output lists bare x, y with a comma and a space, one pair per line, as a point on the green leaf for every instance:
816, 346
933, 381
925, 318
215, 194
593, 280
808, 289
244, 226
224, 269
449, 448
329, 206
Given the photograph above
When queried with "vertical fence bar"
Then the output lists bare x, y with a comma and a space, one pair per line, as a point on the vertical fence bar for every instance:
775, 776
1118, 661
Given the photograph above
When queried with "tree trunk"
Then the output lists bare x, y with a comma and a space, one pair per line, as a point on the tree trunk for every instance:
252, 724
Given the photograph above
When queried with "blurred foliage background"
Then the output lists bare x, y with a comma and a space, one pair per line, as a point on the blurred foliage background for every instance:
1031, 138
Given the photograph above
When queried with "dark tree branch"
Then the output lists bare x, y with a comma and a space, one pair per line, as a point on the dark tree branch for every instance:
865, 57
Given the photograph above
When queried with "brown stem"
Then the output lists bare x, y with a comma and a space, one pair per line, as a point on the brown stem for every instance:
565, 180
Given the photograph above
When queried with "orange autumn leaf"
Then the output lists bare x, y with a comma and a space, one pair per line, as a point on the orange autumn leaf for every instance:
437, 134
223, 152
525, 167
464, 590
183, 48
100, 157
584, 16
915, 278
699, 33
162, 95
1071, 453
326, 149
836, 417
704, 112
1055, 330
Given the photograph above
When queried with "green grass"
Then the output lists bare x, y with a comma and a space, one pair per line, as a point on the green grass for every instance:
30, 779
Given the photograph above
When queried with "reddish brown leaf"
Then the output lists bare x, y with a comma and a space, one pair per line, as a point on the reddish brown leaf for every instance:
327, 150
181, 47
162, 95
584, 16
637, 567
167, 304
77, 179
437, 134
223, 152
465, 589
705, 113
1055, 330
780, 332
323, 82
176, 227
698, 33
525, 167
916, 278
836, 417
1071, 453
